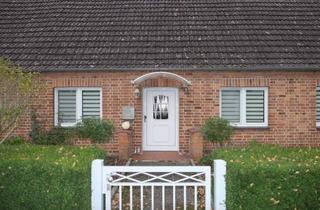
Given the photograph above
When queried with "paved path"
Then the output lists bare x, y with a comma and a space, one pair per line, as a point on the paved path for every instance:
159, 163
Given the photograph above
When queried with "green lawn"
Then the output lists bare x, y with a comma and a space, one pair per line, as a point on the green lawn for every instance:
270, 177
46, 177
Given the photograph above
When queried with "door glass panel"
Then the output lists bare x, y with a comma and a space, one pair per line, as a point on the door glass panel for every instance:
160, 107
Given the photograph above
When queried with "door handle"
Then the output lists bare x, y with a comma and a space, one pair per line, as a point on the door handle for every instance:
145, 118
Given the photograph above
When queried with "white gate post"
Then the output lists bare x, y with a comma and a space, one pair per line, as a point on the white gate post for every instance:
220, 170
208, 188
96, 185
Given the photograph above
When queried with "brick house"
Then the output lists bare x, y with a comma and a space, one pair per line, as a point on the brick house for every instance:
166, 66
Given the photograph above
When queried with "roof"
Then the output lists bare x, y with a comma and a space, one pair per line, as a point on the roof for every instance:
52, 35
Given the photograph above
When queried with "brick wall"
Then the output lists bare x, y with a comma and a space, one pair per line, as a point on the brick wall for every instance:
292, 103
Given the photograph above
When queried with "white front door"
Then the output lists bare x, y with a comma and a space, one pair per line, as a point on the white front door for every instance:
160, 119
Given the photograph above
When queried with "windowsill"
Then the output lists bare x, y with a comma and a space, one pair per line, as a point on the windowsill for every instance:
72, 125
251, 127
66, 125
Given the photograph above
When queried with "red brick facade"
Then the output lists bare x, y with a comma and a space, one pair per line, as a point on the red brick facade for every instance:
292, 103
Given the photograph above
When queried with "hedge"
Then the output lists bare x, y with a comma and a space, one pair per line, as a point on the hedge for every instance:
46, 177
264, 177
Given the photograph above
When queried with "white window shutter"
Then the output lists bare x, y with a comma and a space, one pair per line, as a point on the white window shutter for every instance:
255, 106
230, 105
91, 104
318, 104
66, 106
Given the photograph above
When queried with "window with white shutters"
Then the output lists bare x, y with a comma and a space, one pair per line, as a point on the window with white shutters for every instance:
245, 107
318, 107
90, 104
67, 106
74, 104
254, 106
230, 105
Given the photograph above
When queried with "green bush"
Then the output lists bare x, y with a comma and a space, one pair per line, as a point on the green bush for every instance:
40, 139
60, 136
46, 177
216, 130
15, 140
38, 136
97, 130
55, 136
263, 177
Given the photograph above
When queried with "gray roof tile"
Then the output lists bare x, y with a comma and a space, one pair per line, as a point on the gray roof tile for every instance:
139, 34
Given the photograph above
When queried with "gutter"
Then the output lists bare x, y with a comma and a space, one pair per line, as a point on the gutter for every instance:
153, 69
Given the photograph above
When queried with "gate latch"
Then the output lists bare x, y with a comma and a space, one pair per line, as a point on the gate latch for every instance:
110, 179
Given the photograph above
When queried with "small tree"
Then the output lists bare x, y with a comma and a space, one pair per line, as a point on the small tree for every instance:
217, 130
17, 89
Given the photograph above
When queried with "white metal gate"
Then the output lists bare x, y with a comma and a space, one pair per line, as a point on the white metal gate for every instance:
162, 184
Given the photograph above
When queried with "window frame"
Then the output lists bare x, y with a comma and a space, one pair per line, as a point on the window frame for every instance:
243, 108
78, 104
317, 122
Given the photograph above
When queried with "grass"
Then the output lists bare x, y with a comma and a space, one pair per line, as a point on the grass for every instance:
46, 177
271, 177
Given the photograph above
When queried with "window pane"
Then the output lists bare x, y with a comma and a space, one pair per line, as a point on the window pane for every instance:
255, 106
160, 107
91, 104
66, 106
230, 105
318, 104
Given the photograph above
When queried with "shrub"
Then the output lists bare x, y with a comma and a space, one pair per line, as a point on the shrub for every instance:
56, 136
217, 130
46, 177
60, 136
40, 139
37, 134
270, 177
95, 129
16, 140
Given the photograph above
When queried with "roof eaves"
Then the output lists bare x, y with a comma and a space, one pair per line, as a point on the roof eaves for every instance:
218, 68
